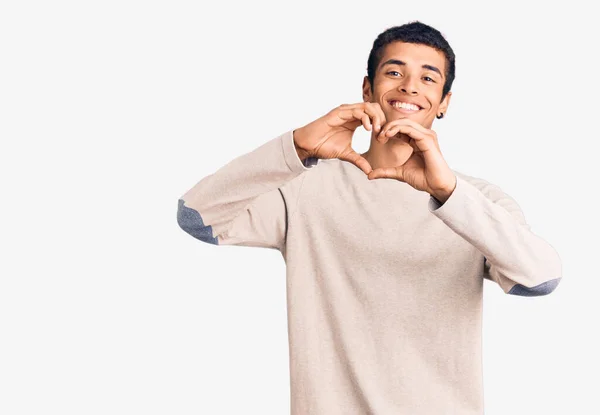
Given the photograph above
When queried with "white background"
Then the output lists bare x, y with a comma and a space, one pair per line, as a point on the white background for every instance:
111, 110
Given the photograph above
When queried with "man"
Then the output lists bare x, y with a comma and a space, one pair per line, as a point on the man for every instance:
386, 252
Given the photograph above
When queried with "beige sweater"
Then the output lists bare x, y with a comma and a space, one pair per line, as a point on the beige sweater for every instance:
384, 285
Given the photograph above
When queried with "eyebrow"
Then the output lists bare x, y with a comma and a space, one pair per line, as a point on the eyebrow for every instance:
402, 63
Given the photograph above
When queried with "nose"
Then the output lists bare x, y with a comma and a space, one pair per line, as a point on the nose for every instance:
409, 86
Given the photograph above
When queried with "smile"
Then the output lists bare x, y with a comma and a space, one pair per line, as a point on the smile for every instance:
404, 107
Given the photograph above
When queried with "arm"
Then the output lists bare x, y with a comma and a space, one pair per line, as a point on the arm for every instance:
519, 261
242, 203
248, 201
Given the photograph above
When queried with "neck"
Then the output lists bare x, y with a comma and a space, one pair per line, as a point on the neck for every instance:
391, 154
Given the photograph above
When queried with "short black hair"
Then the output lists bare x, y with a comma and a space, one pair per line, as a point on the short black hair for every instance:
418, 33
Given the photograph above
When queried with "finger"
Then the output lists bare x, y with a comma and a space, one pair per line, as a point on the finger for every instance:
376, 113
351, 106
345, 117
426, 132
345, 114
358, 160
415, 125
394, 131
382, 136
372, 109
384, 172
373, 116
423, 142
366, 122
405, 121
408, 130
391, 131
381, 114
360, 114
348, 108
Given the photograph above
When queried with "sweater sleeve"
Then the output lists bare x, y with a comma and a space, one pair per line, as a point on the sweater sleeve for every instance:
519, 261
242, 203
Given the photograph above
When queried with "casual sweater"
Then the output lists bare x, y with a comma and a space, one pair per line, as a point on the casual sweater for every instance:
384, 283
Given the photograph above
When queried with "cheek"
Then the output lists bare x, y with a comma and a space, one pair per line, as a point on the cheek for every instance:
434, 103
383, 85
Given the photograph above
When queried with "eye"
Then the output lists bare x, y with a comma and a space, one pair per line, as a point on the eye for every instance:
428, 79
393, 72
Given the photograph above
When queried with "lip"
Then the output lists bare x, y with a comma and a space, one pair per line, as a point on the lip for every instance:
404, 110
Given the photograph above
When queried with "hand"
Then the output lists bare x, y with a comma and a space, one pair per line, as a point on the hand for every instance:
426, 169
330, 136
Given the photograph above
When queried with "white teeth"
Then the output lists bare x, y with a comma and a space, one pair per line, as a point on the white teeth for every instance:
405, 105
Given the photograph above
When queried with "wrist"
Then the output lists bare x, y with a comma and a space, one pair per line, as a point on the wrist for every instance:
302, 153
444, 194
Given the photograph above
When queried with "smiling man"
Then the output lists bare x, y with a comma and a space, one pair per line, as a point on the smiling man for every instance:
386, 252
407, 80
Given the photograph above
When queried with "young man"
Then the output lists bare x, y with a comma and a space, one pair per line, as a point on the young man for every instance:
386, 252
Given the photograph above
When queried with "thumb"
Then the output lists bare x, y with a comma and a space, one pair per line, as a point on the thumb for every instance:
386, 173
358, 160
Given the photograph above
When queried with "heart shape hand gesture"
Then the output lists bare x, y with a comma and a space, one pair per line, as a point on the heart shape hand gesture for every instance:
426, 169
330, 136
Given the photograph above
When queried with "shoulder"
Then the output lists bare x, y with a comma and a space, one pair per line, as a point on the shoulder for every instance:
317, 174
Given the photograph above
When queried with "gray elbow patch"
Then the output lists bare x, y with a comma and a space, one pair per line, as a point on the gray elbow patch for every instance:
190, 221
541, 289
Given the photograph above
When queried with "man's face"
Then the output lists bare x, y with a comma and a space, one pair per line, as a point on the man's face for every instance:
409, 82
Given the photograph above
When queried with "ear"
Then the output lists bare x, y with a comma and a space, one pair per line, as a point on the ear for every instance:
445, 103
366, 90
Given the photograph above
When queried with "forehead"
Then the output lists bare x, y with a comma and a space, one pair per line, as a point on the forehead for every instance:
414, 55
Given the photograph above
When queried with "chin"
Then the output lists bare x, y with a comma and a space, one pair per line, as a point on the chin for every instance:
415, 117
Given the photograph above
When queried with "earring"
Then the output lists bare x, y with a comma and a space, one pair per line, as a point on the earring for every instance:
439, 117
